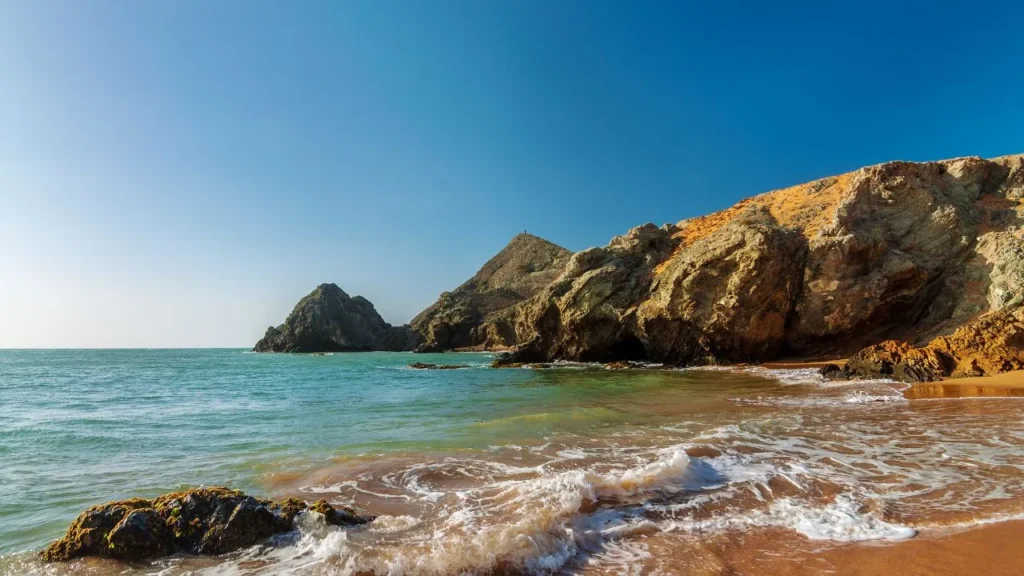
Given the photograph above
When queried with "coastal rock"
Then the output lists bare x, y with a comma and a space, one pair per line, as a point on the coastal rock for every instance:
898, 360
724, 296
901, 251
589, 312
832, 372
475, 315
329, 320
991, 344
199, 521
426, 366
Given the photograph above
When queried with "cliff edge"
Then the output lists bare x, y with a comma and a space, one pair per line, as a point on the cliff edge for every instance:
899, 251
477, 314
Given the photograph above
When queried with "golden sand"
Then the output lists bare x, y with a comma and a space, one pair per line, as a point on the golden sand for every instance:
810, 363
1006, 384
992, 549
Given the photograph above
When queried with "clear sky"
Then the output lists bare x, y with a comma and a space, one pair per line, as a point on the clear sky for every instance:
178, 173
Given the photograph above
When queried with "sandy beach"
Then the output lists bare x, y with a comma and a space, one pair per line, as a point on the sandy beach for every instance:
1006, 384
992, 549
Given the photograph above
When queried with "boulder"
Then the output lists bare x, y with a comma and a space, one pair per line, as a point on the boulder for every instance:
199, 521
425, 366
832, 372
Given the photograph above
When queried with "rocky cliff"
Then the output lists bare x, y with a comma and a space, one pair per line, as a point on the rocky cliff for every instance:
900, 251
478, 314
329, 320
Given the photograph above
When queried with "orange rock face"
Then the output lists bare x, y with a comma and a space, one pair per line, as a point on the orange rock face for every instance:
991, 344
900, 251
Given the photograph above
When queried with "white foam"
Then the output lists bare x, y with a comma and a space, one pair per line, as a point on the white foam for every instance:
672, 468
390, 524
839, 521
863, 397
572, 454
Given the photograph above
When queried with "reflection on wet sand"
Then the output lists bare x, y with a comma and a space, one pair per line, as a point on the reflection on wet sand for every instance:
1009, 384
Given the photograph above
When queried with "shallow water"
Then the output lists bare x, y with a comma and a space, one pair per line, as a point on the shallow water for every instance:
574, 469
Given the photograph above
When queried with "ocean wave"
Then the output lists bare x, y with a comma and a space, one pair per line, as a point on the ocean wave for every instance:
539, 523
840, 521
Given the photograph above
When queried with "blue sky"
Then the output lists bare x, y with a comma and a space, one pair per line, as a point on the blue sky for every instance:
180, 173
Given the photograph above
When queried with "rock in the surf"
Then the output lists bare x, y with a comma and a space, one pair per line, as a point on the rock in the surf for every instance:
427, 366
832, 372
209, 521
329, 320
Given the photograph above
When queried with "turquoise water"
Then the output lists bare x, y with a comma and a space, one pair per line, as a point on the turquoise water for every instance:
79, 427
466, 468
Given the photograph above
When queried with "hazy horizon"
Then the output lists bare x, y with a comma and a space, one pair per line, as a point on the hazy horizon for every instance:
178, 175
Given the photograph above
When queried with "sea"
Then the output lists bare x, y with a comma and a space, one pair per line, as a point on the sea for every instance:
568, 469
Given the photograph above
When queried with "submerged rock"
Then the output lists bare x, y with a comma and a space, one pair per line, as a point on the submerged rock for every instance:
210, 521
329, 320
425, 366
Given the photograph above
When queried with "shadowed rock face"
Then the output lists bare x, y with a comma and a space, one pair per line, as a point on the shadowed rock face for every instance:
200, 521
904, 251
328, 320
477, 313
992, 344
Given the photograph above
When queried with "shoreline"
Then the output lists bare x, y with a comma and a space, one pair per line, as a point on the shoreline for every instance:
991, 549
1005, 385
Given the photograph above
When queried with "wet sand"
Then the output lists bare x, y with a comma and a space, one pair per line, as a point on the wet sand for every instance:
796, 363
1008, 384
992, 549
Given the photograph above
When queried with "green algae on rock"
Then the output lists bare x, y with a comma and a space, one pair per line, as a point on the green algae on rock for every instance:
206, 521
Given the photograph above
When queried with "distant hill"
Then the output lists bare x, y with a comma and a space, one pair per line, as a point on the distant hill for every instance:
328, 320
475, 315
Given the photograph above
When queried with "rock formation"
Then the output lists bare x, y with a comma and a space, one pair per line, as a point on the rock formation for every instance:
207, 521
921, 262
329, 320
900, 251
992, 344
477, 313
